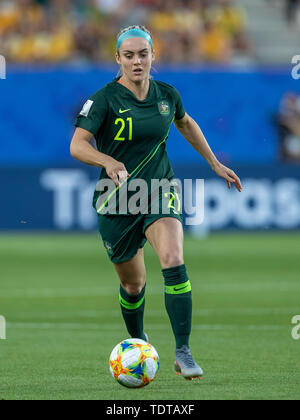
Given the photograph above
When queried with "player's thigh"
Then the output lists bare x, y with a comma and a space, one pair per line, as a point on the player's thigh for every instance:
132, 273
165, 235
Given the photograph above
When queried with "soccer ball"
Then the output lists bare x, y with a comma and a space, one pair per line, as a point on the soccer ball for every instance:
134, 363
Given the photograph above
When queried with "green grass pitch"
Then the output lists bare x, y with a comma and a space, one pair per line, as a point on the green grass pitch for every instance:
59, 295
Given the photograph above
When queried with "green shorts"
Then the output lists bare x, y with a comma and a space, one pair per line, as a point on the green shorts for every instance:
124, 235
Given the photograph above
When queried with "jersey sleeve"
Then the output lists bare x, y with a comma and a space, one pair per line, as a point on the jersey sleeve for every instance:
93, 113
180, 111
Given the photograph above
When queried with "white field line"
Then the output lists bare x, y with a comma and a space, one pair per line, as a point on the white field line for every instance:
161, 327
157, 313
290, 287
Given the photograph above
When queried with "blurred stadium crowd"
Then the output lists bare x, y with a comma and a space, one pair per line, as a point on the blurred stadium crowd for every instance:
288, 123
292, 10
189, 31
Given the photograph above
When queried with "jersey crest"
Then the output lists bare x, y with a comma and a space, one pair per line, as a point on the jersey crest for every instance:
164, 108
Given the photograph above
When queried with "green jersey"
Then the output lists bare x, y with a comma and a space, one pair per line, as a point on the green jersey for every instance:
132, 131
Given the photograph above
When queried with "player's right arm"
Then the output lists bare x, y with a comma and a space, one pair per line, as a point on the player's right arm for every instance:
82, 150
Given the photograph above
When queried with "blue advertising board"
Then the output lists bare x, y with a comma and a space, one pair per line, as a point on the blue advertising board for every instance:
60, 199
235, 109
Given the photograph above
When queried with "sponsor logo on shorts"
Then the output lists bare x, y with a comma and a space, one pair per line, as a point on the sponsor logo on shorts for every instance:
108, 247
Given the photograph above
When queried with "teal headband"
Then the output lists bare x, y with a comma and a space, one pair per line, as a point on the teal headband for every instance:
134, 33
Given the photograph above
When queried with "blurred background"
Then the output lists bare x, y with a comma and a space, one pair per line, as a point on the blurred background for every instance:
236, 65
230, 60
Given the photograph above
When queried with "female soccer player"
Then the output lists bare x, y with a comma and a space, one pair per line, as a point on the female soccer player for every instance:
130, 119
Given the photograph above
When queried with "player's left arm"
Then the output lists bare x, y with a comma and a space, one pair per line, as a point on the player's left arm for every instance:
194, 135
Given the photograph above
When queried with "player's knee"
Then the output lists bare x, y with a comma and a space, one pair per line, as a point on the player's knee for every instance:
171, 259
134, 288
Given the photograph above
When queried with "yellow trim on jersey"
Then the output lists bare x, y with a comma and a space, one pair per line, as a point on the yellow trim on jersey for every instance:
138, 168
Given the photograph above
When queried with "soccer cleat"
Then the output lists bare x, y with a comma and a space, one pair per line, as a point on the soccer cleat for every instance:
147, 337
186, 366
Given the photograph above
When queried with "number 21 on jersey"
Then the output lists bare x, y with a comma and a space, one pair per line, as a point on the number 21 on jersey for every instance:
122, 123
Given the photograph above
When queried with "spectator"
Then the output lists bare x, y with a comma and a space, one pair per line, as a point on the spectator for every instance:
9, 17
214, 44
78, 30
232, 20
288, 122
291, 8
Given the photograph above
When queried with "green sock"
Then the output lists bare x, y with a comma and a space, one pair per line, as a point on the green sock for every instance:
132, 308
178, 301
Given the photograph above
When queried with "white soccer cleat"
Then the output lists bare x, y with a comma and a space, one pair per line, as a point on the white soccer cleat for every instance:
186, 366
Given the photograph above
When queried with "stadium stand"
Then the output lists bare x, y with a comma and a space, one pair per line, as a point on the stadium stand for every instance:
273, 27
62, 30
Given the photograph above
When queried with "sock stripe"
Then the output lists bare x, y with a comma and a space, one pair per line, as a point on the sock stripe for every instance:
129, 305
179, 289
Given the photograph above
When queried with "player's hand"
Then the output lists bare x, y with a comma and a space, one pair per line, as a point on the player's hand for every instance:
116, 171
229, 176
